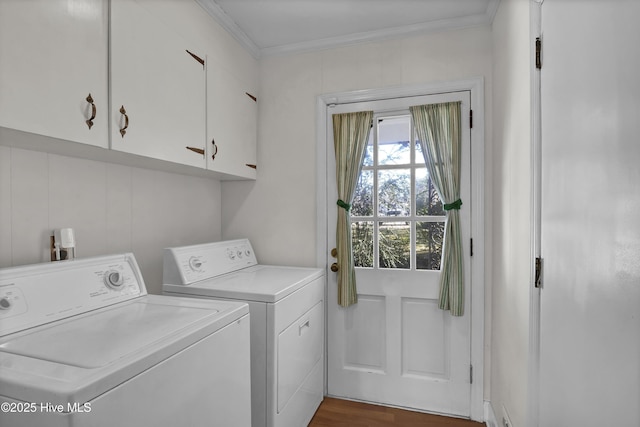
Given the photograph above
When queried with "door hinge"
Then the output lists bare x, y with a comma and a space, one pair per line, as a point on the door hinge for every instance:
538, 53
471, 374
196, 57
538, 279
471, 119
196, 150
471, 247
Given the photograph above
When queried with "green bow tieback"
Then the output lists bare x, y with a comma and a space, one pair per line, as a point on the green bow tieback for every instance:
343, 205
454, 205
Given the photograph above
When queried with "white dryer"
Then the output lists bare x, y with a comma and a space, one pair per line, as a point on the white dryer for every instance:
287, 322
82, 344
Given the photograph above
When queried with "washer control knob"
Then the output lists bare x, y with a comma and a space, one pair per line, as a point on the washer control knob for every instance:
247, 252
240, 254
113, 279
231, 254
5, 303
195, 263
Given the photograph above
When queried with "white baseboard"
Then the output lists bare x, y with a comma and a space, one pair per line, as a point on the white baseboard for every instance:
489, 415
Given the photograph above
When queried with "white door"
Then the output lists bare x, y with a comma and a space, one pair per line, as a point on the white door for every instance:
395, 346
590, 297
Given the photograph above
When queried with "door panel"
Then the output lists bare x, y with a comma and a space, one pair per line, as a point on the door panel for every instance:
590, 242
424, 329
395, 346
53, 54
232, 119
158, 83
365, 338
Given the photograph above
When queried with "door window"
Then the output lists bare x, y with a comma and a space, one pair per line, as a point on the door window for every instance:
397, 218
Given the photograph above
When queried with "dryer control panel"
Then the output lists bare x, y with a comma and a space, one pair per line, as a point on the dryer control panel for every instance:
189, 264
35, 294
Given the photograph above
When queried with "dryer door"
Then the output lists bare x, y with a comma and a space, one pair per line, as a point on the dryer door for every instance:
299, 350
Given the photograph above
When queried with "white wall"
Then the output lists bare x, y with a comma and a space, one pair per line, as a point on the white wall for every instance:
112, 209
278, 211
511, 210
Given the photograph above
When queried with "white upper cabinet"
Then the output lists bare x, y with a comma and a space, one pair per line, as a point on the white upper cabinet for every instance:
160, 80
232, 118
53, 55
158, 89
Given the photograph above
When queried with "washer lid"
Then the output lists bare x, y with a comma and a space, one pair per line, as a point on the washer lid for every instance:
100, 338
261, 283
79, 358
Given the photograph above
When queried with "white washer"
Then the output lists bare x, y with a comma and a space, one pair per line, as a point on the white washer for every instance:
82, 344
287, 322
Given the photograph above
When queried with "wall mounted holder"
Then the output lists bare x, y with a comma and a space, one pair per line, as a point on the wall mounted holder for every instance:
63, 245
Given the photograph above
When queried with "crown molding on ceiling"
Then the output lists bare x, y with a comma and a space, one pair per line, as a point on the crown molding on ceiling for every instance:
212, 8
221, 17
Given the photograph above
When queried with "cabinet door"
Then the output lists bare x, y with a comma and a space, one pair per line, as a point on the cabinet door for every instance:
157, 88
232, 116
53, 54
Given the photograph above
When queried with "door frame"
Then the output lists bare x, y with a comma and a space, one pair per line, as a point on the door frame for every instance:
533, 367
477, 274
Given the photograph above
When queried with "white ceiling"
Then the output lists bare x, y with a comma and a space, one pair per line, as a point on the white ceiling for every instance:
270, 27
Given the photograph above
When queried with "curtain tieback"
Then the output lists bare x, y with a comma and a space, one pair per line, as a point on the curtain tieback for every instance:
344, 205
453, 205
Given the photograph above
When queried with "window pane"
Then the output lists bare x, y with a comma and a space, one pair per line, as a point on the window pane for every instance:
394, 134
362, 243
368, 154
394, 239
419, 156
362, 204
429, 237
428, 202
394, 192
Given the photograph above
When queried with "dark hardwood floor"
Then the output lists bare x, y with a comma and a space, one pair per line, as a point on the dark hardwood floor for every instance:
345, 413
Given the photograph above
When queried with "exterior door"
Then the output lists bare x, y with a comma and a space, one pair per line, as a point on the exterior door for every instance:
395, 346
590, 234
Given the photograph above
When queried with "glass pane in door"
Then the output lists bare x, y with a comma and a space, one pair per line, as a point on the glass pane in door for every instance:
428, 201
394, 136
362, 243
362, 204
429, 237
394, 244
394, 192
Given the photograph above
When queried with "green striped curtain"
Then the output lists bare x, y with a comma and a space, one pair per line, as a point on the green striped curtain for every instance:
438, 128
350, 137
